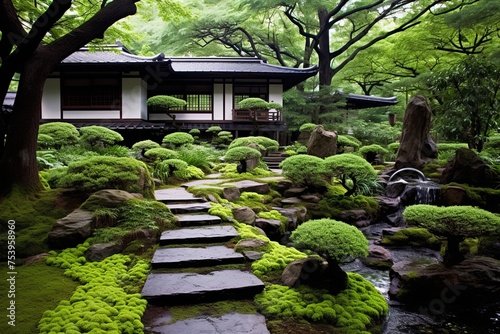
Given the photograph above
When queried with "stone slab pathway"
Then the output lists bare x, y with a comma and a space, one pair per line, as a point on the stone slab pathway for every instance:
231, 323
176, 195
189, 207
198, 219
184, 257
191, 287
209, 234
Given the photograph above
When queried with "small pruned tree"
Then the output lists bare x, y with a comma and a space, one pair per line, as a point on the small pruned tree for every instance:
336, 241
62, 133
242, 154
370, 152
455, 223
351, 170
95, 135
264, 143
256, 103
164, 103
304, 170
178, 139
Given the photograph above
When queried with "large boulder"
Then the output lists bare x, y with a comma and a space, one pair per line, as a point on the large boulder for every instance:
71, 230
322, 143
244, 215
378, 257
307, 271
99, 252
108, 198
417, 147
474, 281
272, 227
468, 168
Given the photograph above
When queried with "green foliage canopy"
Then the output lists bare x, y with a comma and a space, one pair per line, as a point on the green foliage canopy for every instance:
62, 133
165, 102
99, 136
304, 169
241, 153
178, 139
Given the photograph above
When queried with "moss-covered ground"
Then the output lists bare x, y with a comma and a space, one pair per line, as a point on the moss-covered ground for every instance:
39, 287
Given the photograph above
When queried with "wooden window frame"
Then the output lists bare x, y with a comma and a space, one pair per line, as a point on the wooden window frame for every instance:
94, 90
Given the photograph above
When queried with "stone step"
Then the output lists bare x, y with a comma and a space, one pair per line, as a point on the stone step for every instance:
231, 323
187, 257
182, 288
209, 234
191, 207
197, 219
176, 195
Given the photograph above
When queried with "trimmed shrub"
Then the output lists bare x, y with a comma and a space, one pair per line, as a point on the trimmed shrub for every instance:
62, 133
348, 141
214, 129
264, 143
99, 136
455, 223
236, 154
160, 153
350, 169
252, 103
165, 102
370, 151
44, 141
104, 172
144, 145
307, 127
177, 139
304, 170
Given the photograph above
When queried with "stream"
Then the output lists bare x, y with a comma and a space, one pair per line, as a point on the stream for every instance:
403, 319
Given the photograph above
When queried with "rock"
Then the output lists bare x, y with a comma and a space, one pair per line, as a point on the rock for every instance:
295, 215
250, 244
313, 198
250, 186
189, 257
272, 227
395, 189
231, 194
146, 235
212, 198
291, 201
244, 215
108, 198
99, 252
353, 216
468, 168
294, 192
378, 257
454, 195
362, 223
474, 281
71, 230
305, 271
388, 205
252, 163
283, 185
35, 258
252, 255
322, 143
416, 145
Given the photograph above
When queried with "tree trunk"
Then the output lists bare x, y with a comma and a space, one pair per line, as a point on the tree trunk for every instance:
452, 254
338, 277
323, 50
19, 165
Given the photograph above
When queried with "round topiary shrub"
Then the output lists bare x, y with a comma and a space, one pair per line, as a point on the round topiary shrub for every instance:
104, 172
165, 102
177, 139
99, 136
336, 241
370, 152
307, 127
214, 129
264, 143
252, 103
62, 133
236, 154
142, 146
44, 141
305, 170
160, 153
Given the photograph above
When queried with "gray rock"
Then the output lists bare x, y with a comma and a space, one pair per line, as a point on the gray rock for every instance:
250, 186
454, 195
294, 192
322, 143
250, 244
71, 230
272, 227
231, 194
291, 201
244, 215
295, 215
185, 257
302, 271
209, 234
108, 198
252, 255
378, 257
313, 198
197, 219
99, 252
353, 216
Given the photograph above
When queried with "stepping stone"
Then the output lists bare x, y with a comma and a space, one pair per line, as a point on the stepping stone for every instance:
164, 288
189, 207
176, 195
248, 185
198, 235
230, 323
186, 257
198, 219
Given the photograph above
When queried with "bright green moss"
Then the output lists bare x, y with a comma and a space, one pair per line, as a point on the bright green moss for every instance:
355, 309
107, 302
224, 211
412, 236
241, 153
229, 171
264, 143
62, 133
307, 127
335, 202
178, 139
95, 135
304, 170
160, 153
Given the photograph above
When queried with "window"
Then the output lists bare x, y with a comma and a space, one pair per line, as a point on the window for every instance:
245, 91
199, 97
91, 93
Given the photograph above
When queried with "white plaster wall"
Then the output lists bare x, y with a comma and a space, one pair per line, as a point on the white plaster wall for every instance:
229, 102
181, 117
218, 101
276, 93
132, 98
144, 100
51, 100
91, 114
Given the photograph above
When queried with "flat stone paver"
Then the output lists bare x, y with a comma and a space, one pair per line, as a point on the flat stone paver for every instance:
249, 185
197, 219
176, 195
190, 207
165, 288
185, 257
231, 323
208, 234
203, 182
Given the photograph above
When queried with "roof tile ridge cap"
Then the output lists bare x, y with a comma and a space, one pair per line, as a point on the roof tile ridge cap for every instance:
310, 68
158, 57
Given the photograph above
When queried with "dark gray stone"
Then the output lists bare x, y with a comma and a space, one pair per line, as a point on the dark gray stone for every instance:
109, 198
322, 143
294, 192
244, 215
231, 323
176, 195
250, 186
185, 257
295, 215
253, 256
353, 216
197, 219
251, 244
291, 200
165, 288
99, 252
272, 227
71, 230
198, 235
180, 208
378, 257
231, 194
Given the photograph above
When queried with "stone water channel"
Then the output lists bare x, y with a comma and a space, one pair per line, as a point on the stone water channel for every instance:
200, 228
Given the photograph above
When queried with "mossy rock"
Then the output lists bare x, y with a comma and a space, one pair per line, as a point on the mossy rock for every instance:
413, 236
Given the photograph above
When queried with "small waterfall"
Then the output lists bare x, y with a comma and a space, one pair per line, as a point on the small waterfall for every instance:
427, 193
413, 187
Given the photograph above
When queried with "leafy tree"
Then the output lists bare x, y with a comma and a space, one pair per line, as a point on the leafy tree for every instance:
241, 154
455, 223
264, 143
304, 170
469, 100
34, 40
336, 241
350, 169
